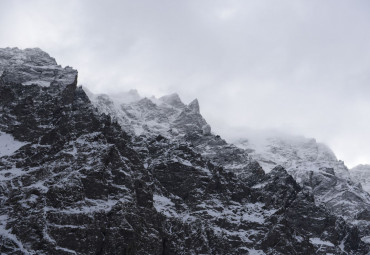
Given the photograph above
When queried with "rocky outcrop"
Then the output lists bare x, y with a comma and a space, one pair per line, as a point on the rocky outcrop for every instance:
315, 167
167, 116
77, 182
33, 66
361, 174
312, 165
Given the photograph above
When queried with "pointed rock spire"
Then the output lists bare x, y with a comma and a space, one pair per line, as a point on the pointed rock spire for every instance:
194, 106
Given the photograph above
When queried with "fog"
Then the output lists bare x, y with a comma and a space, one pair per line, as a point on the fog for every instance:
299, 67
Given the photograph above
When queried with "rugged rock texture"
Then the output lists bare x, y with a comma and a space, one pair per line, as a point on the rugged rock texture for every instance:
311, 164
167, 116
314, 166
75, 182
361, 174
33, 66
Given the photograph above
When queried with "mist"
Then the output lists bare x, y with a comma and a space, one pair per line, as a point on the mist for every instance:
297, 67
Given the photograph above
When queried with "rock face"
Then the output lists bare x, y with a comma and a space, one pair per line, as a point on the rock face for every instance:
167, 116
33, 66
361, 174
314, 166
74, 181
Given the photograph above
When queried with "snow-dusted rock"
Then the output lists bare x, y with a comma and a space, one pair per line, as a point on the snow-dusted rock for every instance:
194, 106
361, 174
78, 183
313, 165
171, 118
33, 66
206, 129
304, 158
152, 116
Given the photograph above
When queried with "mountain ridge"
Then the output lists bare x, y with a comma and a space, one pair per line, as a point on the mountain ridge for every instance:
83, 182
313, 165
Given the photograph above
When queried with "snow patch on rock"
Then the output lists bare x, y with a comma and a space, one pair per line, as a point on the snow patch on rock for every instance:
317, 241
8, 145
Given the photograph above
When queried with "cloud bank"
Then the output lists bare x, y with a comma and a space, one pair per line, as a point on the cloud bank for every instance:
298, 66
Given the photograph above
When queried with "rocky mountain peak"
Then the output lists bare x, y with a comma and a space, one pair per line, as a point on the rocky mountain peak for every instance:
33, 56
33, 67
314, 166
194, 106
101, 176
146, 103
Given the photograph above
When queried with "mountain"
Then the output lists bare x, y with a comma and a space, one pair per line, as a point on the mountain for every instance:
361, 174
76, 180
314, 166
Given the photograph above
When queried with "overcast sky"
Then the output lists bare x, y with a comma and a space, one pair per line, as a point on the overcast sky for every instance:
299, 66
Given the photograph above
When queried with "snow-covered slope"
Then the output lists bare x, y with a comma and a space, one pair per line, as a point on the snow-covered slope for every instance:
361, 174
293, 153
315, 166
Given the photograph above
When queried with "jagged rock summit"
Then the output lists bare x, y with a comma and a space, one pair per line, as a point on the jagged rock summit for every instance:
314, 166
33, 66
194, 106
86, 176
167, 116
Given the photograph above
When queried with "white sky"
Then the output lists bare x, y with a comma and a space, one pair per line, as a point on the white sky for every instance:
299, 66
